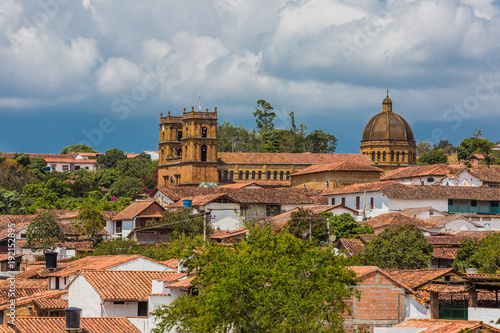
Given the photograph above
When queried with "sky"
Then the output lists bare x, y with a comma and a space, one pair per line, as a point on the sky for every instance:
100, 72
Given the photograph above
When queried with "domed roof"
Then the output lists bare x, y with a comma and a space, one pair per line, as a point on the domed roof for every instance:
387, 125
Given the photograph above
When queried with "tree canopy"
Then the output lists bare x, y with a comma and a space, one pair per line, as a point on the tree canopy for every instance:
89, 221
435, 156
401, 246
183, 223
483, 255
345, 226
78, 148
109, 159
267, 283
44, 232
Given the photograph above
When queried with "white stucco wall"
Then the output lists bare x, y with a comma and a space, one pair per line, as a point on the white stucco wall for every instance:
127, 226
487, 316
82, 295
110, 309
459, 225
400, 204
110, 227
415, 310
155, 301
141, 264
465, 179
426, 214
162, 199
380, 202
141, 323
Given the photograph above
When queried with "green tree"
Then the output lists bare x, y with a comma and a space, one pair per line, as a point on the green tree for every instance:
10, 202
89, 221
483, 255
44, 232
107, 177
320, 142
14, 176
264, 116
109, 159
117, 246
435, 156
474, 144
78, 148
126, 187
345, 226
307, 225
183, 223
267, 283
401, 246
446, 146
423, 147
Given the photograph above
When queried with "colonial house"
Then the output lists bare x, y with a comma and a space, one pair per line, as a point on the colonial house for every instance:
420, 174
50, 303
136, 215
440, 325
477, 176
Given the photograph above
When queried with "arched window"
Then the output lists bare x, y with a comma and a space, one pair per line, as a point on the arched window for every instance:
287, 174
203, 153
384, 156
253, 175
378, 156
392, 156
402, 156
269, 175
240, 175
259, 175
203, 132
225, 174
179, 135
275, 175
373, 156
281, 175
231, 174
397, 156
247, 174
179, 152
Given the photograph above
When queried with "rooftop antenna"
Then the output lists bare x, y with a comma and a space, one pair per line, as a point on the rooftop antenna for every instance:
199, 102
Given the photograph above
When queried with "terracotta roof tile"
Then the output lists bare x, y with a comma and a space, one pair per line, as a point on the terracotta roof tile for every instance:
89, 325
445, 326
288, 158
20, 221
359, 188
444, 288
353, 246
239, 185
123, 285
47, 304
401, 191
348, 165
419, 171
134, 209
445, 252
221, 234
172, 263
416, 210
93, 262
417, 277
485, 173
48, 295
6, 329
474, 235
439, 221
185, 283
390, 219
443, 240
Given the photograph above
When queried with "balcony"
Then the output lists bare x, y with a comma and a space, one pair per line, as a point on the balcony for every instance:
473, 206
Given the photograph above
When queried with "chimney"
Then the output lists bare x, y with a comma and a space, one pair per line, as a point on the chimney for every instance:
73, 316
50, 260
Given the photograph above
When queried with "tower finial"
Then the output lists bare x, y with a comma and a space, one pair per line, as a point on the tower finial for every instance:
387, 92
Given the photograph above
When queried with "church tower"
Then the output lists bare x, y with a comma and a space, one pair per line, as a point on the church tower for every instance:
188, 148
388, 139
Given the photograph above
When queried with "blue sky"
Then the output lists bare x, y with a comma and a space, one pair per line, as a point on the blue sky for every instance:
102, 71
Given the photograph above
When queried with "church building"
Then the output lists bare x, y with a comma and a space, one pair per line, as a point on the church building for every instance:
388, 139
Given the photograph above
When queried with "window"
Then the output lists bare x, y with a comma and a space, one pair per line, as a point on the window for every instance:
384, 156
118, 302
275, 175
343, 201
402, 156
333, 201
203, 153
65, 167
247, 174
378, 156
269, 175
57, 283
118, 227
179, 152
357, 203
287, 174
430, 180
473, 203
231, 174
450, 202
373, 156
259, 175
203, 132
392, 156
240, 175
225, 174
142, 309
272, 210
179, 135
397, 156
77, 167
281, 175
220, 175
371, 203
253, 175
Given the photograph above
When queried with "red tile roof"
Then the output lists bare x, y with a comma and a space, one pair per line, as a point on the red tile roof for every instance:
89, 325
359, 188
449, 253
123, 285
474, 235
349, 165
185, 283
439, 221
353, 246
419, 171
49, 304
20, 222
221, 234
401, 191
415, 278
47, 295
390, 219
288, 158
416, 210
362, 271
485, 173
134, 209
446, 326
